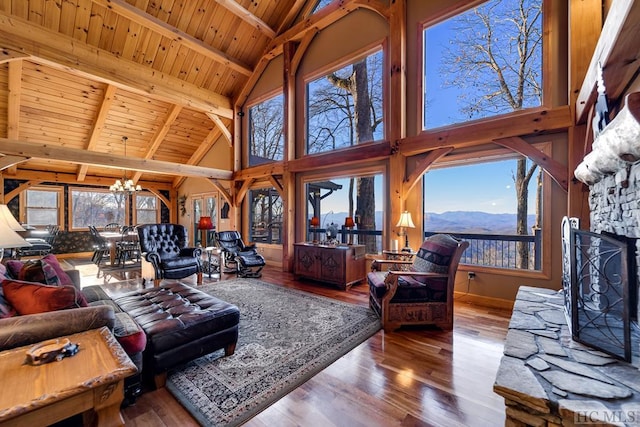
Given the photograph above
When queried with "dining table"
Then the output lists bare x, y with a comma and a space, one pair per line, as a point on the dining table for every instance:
113, 237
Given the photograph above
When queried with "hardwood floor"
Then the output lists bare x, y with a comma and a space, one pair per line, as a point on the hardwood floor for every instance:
417, 377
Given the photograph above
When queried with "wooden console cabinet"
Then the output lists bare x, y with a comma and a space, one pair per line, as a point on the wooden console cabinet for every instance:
339, 265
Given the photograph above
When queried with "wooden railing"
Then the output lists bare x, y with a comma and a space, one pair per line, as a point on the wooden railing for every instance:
489, 250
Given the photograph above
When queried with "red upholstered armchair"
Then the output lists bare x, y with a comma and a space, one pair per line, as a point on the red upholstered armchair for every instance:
421, 295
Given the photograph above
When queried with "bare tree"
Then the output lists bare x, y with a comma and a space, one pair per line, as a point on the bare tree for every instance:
494, 59
358, 87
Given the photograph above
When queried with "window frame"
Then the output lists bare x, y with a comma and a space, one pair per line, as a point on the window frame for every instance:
460, 8
59, 190
355, 56
486, 155
258, 187
301, 212
253, 103
70, 227
135, 205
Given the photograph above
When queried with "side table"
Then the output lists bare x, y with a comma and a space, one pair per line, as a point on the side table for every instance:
212, 263
45, 394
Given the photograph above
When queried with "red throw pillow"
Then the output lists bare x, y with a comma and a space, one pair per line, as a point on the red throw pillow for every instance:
32, 298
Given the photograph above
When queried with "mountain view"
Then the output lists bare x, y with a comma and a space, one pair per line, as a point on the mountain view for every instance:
453, 222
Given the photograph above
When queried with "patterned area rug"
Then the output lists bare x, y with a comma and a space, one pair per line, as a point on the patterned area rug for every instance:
285, 337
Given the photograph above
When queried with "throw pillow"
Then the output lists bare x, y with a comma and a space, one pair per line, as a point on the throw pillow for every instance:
63, 277
32, 298
38, 271
434, 256
13, 268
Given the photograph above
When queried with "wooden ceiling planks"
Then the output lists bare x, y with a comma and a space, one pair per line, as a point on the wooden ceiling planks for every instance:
61, 108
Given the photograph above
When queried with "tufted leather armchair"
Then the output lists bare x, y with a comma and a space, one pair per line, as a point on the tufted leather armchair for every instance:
164, 247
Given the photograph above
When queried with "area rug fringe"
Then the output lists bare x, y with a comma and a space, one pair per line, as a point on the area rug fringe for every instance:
286, 337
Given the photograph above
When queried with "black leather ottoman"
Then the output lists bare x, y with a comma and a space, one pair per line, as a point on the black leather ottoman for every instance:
181, 323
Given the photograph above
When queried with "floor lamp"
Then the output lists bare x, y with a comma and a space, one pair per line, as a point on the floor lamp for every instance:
205, 224
9, 239
405, 222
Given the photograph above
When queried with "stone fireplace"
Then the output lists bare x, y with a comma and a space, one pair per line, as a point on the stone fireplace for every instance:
546, 377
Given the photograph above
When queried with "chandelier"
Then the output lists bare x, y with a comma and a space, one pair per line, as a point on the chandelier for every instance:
124, 186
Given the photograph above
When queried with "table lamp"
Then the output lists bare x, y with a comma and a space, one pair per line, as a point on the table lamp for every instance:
9, 239
205, 224
349, 224
404, 223
315, 222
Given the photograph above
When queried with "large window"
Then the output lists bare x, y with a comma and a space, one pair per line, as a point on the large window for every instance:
147, 209
484, 62
265, 217
42, 206
345, 107
95, 207
266, 140
481, 203
331, 201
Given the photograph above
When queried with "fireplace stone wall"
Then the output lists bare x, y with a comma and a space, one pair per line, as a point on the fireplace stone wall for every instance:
614, 203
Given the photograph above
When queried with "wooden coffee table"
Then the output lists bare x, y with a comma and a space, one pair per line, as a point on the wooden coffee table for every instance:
93, 379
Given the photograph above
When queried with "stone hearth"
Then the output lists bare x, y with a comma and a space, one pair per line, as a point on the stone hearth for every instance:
547, 379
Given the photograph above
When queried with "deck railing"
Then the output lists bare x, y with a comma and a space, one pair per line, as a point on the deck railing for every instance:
489, 250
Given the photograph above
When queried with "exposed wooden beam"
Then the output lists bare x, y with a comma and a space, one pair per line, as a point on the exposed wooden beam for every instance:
239, 196
48, 152
8, 161
300, 51
98, 126
138, 16
62, 52
276, 184
259, 171
38, 177
617, 51
247, 16
157, 139
291, 15
322, 19
222, 190
223, 128
357, 154
422, 167
465, 135
556, 170
9, 55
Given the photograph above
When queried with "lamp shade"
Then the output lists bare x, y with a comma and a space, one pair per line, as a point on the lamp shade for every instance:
205, 223
315, 221
405, 220
348, 222
7, 216
9, 238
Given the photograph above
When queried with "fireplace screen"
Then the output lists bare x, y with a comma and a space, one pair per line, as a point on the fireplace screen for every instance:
600, 297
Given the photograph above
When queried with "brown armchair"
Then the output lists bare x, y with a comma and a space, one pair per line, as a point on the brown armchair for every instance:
423, 293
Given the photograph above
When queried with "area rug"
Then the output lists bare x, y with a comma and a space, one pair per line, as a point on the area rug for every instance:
285, 337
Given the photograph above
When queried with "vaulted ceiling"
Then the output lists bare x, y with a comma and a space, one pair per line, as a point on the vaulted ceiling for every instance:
78, 75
